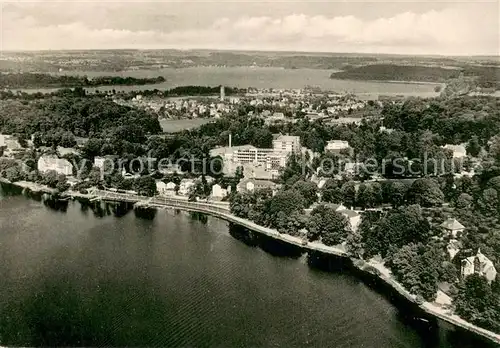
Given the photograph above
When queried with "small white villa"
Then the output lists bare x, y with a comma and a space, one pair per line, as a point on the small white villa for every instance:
478, 264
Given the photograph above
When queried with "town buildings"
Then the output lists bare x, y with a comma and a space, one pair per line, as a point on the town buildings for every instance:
9, 142
276, 117
251, 185
2, 140
165, 189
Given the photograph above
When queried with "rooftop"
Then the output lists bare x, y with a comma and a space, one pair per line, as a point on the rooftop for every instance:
484, 262
457, 148
258, 182
452, 224
349, 213
281, 137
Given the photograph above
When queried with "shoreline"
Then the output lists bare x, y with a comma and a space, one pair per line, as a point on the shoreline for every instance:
365, 266
396, 81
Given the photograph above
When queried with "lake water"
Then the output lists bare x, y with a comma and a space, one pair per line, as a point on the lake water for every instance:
244, 77
77, 278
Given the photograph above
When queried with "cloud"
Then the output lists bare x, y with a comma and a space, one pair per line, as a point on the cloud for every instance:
453, 30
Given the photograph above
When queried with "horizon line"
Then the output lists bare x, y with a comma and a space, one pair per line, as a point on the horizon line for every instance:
430, 55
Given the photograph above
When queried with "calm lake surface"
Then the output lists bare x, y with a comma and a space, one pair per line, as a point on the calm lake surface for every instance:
73, 278
244, 77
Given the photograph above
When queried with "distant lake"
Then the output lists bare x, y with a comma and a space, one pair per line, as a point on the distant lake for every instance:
243, 77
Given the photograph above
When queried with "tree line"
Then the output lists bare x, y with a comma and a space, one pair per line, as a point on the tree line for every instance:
39, 80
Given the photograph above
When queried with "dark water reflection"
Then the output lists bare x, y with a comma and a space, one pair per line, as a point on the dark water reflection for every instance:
182, 280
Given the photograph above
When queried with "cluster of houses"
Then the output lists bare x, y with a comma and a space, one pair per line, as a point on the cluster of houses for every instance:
173, 108
475, 264
185, 187
270, 103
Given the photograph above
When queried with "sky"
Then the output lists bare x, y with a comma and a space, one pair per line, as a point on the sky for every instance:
371, 26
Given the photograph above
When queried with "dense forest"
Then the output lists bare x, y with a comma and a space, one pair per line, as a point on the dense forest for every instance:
38, 80
80, 91
391, 72
484, 76
58, 120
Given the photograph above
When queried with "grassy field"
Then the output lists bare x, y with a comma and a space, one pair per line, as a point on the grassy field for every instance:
173, 126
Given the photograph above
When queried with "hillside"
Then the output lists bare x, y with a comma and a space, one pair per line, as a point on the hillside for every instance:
392, 72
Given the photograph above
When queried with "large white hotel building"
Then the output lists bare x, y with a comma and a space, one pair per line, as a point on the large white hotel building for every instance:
271, 159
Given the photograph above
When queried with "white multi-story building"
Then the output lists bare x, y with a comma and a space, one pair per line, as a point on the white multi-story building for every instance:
269, 159
59, 165
287, 143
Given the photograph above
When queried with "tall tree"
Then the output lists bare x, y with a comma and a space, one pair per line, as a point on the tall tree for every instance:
308, 190
473, 146
365, 197
327, 225
398, 191
349, 194
426, 192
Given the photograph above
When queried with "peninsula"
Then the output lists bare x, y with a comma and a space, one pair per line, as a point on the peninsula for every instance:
42, 80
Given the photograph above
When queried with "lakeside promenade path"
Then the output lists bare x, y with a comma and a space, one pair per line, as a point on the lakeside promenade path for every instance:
218, 209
